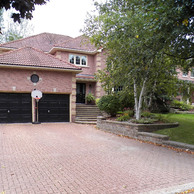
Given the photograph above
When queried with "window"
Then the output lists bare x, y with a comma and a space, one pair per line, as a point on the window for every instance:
78, 60
192, 72
71, 59
34, 78
117, 89
185, 73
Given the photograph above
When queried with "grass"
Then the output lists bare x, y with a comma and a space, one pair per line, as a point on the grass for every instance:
184, 132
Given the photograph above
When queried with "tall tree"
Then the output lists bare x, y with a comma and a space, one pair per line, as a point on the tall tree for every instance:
139, 53
23, 9
13, 30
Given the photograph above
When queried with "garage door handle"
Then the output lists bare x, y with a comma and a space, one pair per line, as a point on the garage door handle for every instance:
8, 111
48, 110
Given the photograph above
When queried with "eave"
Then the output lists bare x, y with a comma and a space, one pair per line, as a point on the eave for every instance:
19, 66
55, 49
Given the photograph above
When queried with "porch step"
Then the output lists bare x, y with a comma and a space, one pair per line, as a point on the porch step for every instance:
87, 114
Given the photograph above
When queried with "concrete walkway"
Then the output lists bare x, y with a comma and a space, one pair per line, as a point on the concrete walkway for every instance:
72, 158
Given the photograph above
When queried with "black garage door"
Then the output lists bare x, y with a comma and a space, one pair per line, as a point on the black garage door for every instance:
15, 108
54, 108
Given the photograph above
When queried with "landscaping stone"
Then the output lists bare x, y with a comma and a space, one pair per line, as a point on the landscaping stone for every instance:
141, 131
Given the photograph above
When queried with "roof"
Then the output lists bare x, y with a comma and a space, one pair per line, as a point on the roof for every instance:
31, 57
81, 43
85, 77
43, 41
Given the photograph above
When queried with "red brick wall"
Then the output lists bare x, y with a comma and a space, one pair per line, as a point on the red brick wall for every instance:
188, 77
89, 69
18, 80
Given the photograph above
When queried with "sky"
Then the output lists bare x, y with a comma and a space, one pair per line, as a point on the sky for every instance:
61, 16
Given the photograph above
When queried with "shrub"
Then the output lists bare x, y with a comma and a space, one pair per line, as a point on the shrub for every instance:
90, 97
147, 114
181, 105
162, 118
123, 118
126, 99
97, 100
109, 104
125, 115
129, 112
144, 121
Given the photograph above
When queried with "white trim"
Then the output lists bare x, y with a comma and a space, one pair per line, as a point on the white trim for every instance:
184, 75
74, 54
39, 68
55, 49
192, 70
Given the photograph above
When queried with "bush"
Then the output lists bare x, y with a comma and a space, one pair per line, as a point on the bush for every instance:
144, 121
110, 104
90, 97
146, 114
162, 118
97, 100
123, 118
126, 99
181, 105
125, 115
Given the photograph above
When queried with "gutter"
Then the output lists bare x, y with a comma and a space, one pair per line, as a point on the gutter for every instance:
39, 68
55, 49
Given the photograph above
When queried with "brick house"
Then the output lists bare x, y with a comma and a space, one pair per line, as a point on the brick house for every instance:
61, 67
187, 77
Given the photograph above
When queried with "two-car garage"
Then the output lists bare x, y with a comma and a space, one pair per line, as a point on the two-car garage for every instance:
17, 108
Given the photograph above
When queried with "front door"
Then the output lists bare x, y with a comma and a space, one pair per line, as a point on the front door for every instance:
80, 92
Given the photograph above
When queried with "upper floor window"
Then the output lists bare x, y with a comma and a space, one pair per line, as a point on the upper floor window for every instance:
78, 59
192, 72
185, 73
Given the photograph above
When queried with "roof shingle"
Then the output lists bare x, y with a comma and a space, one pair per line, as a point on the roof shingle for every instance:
80, 43
43, 41
31, 57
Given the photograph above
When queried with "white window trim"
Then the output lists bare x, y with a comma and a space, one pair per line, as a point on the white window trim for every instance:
191, 73
80, 59
184, 75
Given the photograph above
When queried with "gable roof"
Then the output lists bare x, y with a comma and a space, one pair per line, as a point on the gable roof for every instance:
43, 41
79, 44
33, 58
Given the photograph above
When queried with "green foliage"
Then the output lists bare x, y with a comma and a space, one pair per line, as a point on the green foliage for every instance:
162, 118
155, 117
126, 99
125, 115
123, 118
184, 132
23, 9
13, 30
109, 104
97, 100
144, 121
181, 105
143, 41
146, 114
90, 97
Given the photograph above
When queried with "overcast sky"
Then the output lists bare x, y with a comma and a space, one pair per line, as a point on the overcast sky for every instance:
61, 16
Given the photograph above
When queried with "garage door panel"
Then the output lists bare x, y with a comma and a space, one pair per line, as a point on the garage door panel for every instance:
54, 108
15, 108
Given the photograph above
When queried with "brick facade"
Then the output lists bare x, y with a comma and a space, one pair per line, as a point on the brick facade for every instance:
18, 80
56, 82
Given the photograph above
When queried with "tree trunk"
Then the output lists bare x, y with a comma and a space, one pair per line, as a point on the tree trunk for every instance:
138, 101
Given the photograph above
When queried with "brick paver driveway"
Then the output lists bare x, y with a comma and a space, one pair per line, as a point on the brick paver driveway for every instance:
71, 158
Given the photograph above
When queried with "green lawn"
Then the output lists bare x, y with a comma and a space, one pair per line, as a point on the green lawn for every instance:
184, 132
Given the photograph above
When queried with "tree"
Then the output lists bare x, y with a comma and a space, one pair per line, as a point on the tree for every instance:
137, 51
23, 9
13, 30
